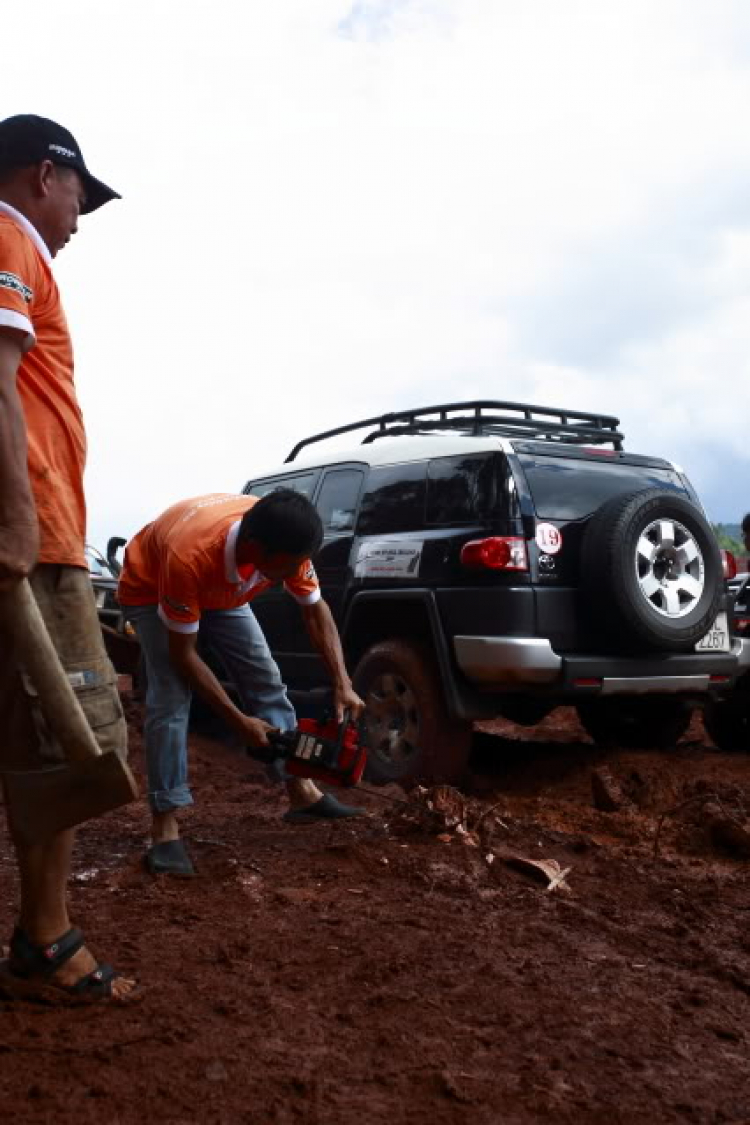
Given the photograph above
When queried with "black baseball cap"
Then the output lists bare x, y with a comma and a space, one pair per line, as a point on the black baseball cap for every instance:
28, 139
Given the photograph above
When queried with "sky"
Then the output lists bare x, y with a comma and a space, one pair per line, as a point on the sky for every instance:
333, 210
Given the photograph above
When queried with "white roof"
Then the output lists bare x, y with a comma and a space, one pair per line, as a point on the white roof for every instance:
388, 451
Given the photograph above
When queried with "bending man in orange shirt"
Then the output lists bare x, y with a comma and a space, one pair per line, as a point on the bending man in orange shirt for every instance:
195, 568
44, 186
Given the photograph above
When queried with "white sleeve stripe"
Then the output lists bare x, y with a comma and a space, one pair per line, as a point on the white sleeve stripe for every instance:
306, 599
178, 626
11, 319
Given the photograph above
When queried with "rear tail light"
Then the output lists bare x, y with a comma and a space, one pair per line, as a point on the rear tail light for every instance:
729, 564
499, 552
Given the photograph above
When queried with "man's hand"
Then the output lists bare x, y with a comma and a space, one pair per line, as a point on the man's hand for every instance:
346, 699
184, 655
323, 633
256, 731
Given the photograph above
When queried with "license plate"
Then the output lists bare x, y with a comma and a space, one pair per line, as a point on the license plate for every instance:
717, 637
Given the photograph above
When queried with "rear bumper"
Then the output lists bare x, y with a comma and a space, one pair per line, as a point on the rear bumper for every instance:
514, 663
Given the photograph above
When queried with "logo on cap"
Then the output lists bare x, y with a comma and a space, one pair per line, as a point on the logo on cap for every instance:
63, 151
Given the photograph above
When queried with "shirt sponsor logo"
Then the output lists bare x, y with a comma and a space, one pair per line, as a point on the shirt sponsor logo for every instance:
207, 502
176, 606
10, 281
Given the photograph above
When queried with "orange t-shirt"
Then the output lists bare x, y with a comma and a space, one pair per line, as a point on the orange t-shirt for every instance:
30, 302
186, 561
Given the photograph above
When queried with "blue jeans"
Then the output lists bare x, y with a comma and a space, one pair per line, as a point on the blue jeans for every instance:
237, 639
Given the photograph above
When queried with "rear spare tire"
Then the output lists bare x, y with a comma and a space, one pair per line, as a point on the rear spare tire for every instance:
651, 572
408, 732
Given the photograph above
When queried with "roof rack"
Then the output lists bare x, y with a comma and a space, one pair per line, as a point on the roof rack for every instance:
516, 419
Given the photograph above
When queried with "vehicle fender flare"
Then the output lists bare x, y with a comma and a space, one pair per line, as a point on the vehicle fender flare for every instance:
454, 697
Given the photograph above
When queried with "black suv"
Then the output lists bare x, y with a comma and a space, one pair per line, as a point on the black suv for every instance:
489, 559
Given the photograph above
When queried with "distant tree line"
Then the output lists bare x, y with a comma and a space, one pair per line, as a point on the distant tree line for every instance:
729, 536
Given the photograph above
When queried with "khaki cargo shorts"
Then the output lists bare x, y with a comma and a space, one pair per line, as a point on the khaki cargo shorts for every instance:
66, 600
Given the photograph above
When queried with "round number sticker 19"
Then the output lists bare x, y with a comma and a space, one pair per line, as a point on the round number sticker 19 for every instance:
548, 538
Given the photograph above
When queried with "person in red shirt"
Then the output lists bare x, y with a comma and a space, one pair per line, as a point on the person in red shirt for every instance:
44, 187
193, 571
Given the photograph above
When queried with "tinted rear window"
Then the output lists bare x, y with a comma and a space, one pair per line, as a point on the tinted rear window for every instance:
571, 489
394, 500
469, 489
460, 489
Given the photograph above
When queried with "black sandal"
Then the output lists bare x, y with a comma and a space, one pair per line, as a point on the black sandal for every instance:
36, 965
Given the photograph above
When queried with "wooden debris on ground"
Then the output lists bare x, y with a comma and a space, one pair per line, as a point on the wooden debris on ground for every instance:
546, 871
726, 824
607, 793
444, 812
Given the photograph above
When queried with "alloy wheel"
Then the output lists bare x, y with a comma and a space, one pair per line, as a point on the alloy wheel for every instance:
670, 568
391, 718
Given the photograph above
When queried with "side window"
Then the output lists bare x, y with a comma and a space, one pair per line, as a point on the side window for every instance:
337, 499
303, 482
395, 499
469, 488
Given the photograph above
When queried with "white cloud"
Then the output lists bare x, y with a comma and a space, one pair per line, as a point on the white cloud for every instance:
336, 209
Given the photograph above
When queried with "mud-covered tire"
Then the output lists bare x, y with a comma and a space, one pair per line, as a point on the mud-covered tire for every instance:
651, 572
646, 722
407, 730
727, 719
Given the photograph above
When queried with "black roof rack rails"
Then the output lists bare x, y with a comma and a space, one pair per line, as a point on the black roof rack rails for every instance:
574, 427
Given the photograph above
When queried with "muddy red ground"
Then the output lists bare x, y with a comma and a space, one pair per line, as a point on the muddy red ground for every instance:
375, 972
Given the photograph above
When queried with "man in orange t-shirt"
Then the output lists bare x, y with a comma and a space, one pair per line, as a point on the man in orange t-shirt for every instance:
44, 186
195, 568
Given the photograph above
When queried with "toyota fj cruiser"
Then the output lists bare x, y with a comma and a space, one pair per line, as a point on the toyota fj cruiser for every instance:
488, 559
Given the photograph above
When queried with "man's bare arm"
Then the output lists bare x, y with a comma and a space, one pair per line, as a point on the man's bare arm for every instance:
19, 533
322, 631
183, 652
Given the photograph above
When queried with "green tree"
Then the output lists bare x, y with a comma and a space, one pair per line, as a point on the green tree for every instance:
726, 541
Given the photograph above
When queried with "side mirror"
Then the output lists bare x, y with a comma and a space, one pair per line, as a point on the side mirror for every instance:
113, 546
